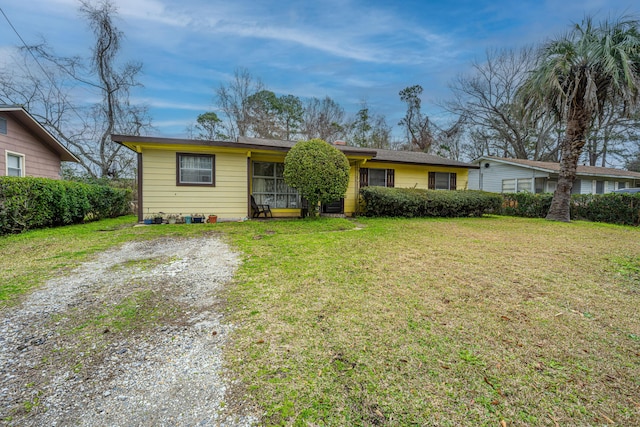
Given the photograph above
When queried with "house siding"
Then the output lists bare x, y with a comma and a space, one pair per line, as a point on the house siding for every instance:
39, 160
490, 179
417, 176
228, 199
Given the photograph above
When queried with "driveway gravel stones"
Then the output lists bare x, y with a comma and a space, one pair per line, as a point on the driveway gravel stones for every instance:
60, 365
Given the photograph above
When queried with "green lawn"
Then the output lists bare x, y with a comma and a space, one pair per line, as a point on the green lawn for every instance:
461, 322
439, 322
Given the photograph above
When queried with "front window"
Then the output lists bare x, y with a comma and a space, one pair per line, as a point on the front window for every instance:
442, 181
599, 187
195, 169
378, 177
270, 189
3, 125
15, 165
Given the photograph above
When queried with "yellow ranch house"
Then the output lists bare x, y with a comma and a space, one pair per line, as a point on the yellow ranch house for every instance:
185, 176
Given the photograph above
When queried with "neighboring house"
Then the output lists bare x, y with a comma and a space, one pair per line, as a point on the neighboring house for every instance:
28, 149
501, 175
218, 177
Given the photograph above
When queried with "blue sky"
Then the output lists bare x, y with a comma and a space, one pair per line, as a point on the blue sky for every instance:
349, 50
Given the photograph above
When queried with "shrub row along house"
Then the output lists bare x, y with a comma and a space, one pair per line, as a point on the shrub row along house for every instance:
501, 175
219, 177
27, 148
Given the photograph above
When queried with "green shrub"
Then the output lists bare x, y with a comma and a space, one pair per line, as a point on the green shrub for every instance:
526, 204
318, 170
613, 208
413, 202
27, 203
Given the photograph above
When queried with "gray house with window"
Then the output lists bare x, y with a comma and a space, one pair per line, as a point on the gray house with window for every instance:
27, 148
502, 175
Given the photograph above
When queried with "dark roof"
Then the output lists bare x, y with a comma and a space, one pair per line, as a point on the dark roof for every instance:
22, 116
555, 167
377, 154
389, 156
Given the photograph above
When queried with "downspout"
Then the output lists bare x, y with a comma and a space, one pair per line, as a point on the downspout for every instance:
249, 185
140, 209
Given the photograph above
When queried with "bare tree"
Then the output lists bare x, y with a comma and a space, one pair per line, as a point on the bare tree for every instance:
323, 119
51, 96
417, 126
497, 122
233, 98
610, 138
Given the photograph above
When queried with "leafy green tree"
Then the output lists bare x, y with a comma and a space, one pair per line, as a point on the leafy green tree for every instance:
577, 76
263, 108
318, 170
209, 127
368, 130
274, 117
290, 112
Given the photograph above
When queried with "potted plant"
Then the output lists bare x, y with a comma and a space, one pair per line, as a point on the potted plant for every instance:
157, 218
148, 220
172, 218
212, 219
197, 218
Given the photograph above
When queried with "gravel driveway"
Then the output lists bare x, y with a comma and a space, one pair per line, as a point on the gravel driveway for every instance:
68, 357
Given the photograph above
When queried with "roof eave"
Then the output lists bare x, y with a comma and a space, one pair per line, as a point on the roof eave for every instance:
27, 120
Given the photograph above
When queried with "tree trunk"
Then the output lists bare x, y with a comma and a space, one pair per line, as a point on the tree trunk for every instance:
572, 145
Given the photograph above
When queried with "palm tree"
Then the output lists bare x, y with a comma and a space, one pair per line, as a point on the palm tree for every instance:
576, 76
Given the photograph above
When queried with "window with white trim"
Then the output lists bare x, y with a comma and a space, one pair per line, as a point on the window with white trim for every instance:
516, 185
270, 189
195, 169
15, 164
508, 185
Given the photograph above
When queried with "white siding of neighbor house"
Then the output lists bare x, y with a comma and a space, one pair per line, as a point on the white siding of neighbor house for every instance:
493, 175
490, 179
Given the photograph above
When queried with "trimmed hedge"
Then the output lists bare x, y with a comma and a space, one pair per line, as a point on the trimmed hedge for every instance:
413, 202
613, 208
27, 203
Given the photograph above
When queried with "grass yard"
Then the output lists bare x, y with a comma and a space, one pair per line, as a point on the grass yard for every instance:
462, 322
457, 322
29, 259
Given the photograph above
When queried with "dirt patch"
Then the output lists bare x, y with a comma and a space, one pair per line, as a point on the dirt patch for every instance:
133, 337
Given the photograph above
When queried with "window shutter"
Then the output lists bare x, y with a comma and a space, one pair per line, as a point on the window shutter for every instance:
390, 177
432, 181
452, 181
364, 177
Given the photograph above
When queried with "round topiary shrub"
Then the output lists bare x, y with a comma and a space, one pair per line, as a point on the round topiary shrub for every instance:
318, 170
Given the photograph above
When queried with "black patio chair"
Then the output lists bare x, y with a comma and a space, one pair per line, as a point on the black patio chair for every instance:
258, 210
